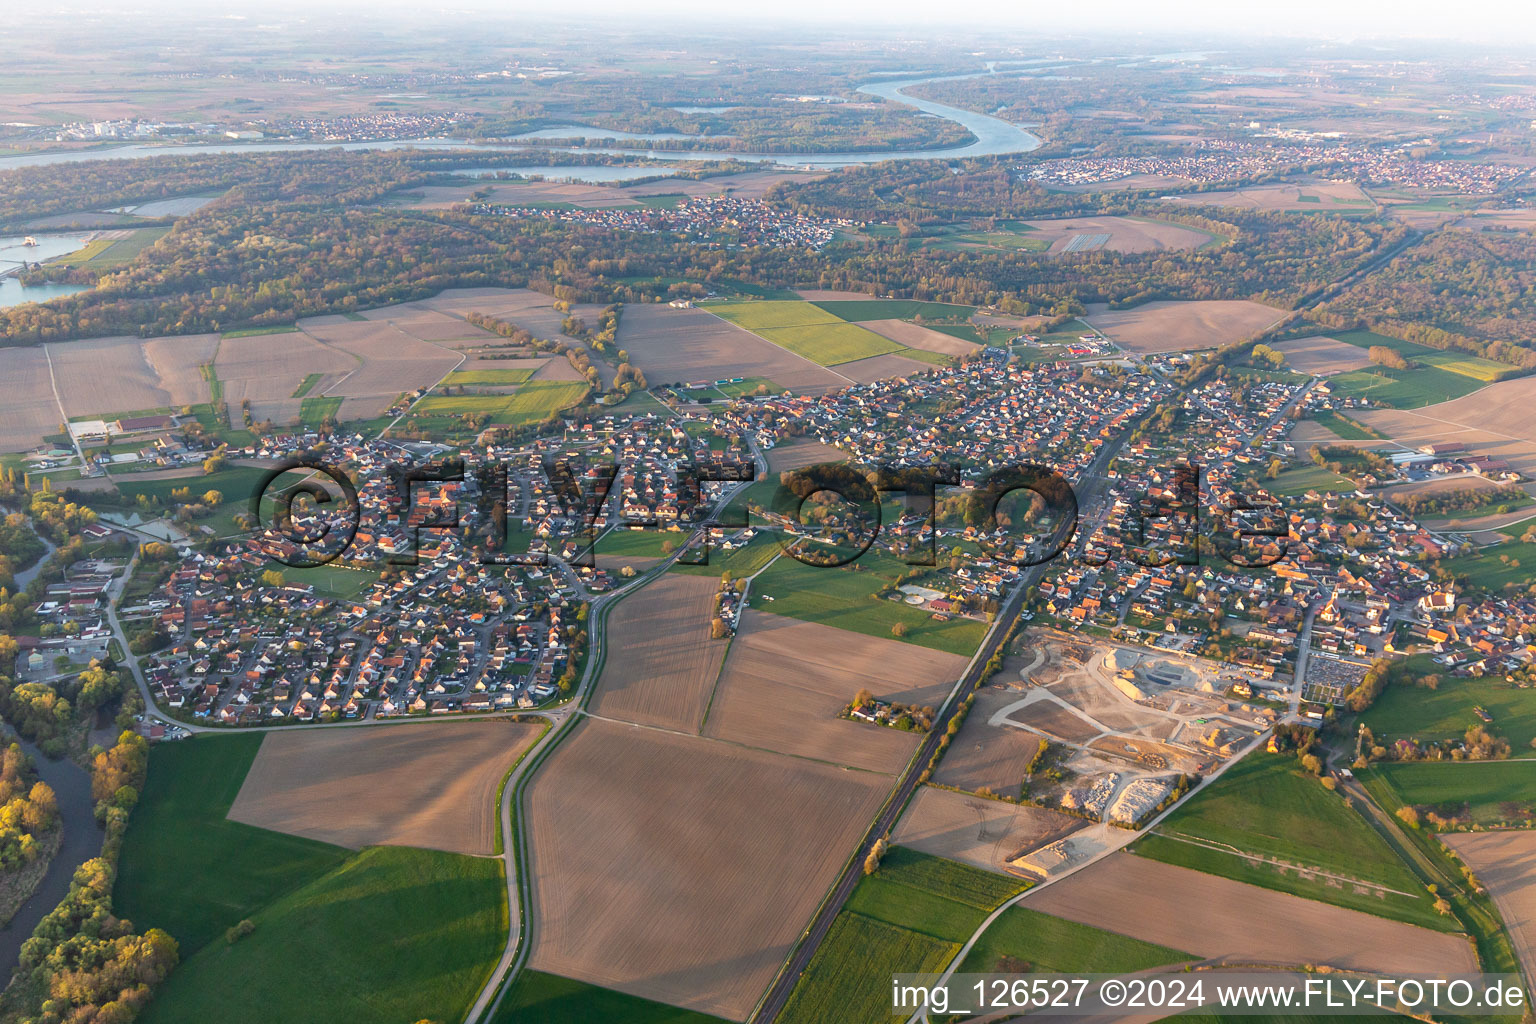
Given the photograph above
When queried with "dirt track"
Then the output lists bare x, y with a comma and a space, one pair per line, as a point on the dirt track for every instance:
1212, 916
429, 784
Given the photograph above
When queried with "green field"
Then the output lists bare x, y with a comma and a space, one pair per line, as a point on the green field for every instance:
1434, 361
538, 998
845, 597
118, 252
331, 580
1403, 389
646, 543
392, 934
489, 377
1485, 786
911, 916
253, 332
744, 561
307, 385
1476, 367
849, 977
236, 483
855, 310
1309, 477
1446, 712
831, 344
756, 315
1347, 427
1052, 944
188, 869
313, 411
1485, 568
1365, 339
1264, 805
532, 402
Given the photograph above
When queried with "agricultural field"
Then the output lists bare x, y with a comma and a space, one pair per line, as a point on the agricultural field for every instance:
1300, 197
1055, 944
1170, 326
530, 403
391, 934
829, 344
187, 868
1116, 234
986, 755
857, 353
664, 663
1266, 823
498, 377
845, 597
389, 363
681, 869
30, 412
1403, 389
428, 784
785, 682
1500, 421
1212, 916
865, 310
919, 337
680, 345
105, 377
538, 998
1346, 427
1488, 792
1502, 863
121, 249
266, 369
975, 830
910, 916
1321, 355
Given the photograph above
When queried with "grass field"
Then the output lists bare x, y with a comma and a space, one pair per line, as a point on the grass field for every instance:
393, 934
1476, 367
755, 316
1309, 477
236, 483
531, 402
744, 561
845, 597
307, 384
849, 977
831, 344
1348, 428
1482, 785
1446, 712
1049, 943
121, 251
489, 377
314, 411
538, 998
909, 917
855, 310
1265, 806
1486, 568
1404, 389
188, 869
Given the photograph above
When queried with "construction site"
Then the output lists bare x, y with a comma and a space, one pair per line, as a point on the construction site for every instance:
1095, 733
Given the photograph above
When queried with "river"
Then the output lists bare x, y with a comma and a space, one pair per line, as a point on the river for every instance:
82, 840
994, 137
14, 252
